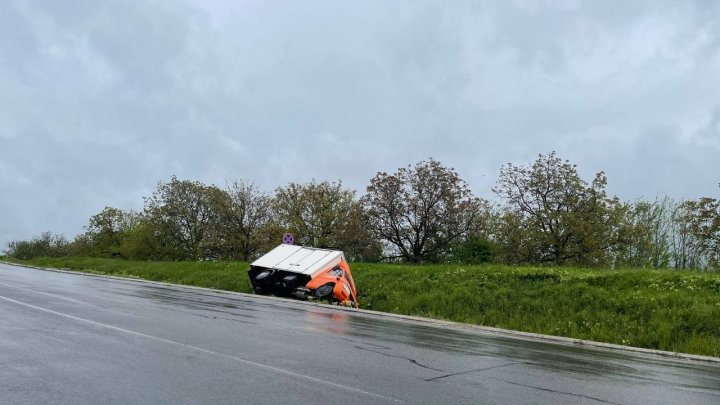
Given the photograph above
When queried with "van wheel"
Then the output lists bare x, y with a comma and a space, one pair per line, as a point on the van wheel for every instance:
324, 291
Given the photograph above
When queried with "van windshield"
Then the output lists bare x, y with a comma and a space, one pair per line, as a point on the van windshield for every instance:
337, 271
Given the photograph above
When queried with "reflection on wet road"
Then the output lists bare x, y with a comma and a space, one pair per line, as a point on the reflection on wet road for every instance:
79, 339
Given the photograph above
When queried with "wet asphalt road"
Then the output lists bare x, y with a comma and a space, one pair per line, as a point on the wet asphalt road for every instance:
74, 339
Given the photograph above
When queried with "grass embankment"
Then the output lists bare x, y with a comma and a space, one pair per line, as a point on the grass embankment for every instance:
659, 309
230, 276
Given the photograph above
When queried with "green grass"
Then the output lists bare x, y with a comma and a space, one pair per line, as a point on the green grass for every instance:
666, 310
230, 276
659, 309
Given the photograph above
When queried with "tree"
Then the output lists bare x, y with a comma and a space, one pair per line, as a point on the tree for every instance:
356, 238
420, 211
142, 242
249, 218
107, 231
705, 226
553, 216
325, 215
648, 234
186, 217
696, 239
684, 249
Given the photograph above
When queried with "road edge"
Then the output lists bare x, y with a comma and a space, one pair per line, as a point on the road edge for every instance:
478, 329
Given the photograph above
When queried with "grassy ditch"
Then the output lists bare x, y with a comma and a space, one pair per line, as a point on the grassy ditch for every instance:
668, 310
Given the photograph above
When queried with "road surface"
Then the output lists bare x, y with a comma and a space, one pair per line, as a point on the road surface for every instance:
76, 339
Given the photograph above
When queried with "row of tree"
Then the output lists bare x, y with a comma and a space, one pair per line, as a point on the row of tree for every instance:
421, 213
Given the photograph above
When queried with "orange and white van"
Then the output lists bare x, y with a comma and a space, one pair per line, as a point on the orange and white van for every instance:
304, 273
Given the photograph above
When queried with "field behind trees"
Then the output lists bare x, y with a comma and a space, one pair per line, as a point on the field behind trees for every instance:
677, 311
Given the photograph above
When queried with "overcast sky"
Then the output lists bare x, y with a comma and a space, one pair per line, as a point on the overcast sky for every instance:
100, 100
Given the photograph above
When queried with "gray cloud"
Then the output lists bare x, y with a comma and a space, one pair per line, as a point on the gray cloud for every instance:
100, 100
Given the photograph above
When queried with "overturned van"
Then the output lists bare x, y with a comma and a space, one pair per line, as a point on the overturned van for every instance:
304, 273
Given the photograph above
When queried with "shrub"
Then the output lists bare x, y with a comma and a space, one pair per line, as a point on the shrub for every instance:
473, 251
45, 245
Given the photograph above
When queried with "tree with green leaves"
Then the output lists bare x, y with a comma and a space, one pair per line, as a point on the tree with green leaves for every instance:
249, 221
420, 211
553, 216
697, 238
647, 235
187, 218
106, 232
706, 228
325, 215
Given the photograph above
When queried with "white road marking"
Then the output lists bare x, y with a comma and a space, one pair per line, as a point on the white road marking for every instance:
60, 297
226, 356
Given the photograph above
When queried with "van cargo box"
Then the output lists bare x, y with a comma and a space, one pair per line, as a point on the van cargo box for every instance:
304, 273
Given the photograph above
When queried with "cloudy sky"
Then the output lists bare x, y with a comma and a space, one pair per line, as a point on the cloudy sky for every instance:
100, 100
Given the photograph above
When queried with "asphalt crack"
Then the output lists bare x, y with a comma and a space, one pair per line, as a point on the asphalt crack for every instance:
413, 361
559, 392
469, 371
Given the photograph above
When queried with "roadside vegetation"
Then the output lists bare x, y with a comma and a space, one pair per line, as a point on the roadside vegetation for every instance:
544, 213
229, 276
677, 311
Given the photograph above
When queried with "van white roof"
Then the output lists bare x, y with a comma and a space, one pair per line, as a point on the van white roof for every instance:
299, 259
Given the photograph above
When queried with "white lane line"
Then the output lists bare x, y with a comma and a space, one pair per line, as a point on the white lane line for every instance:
187, 346
60, 297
